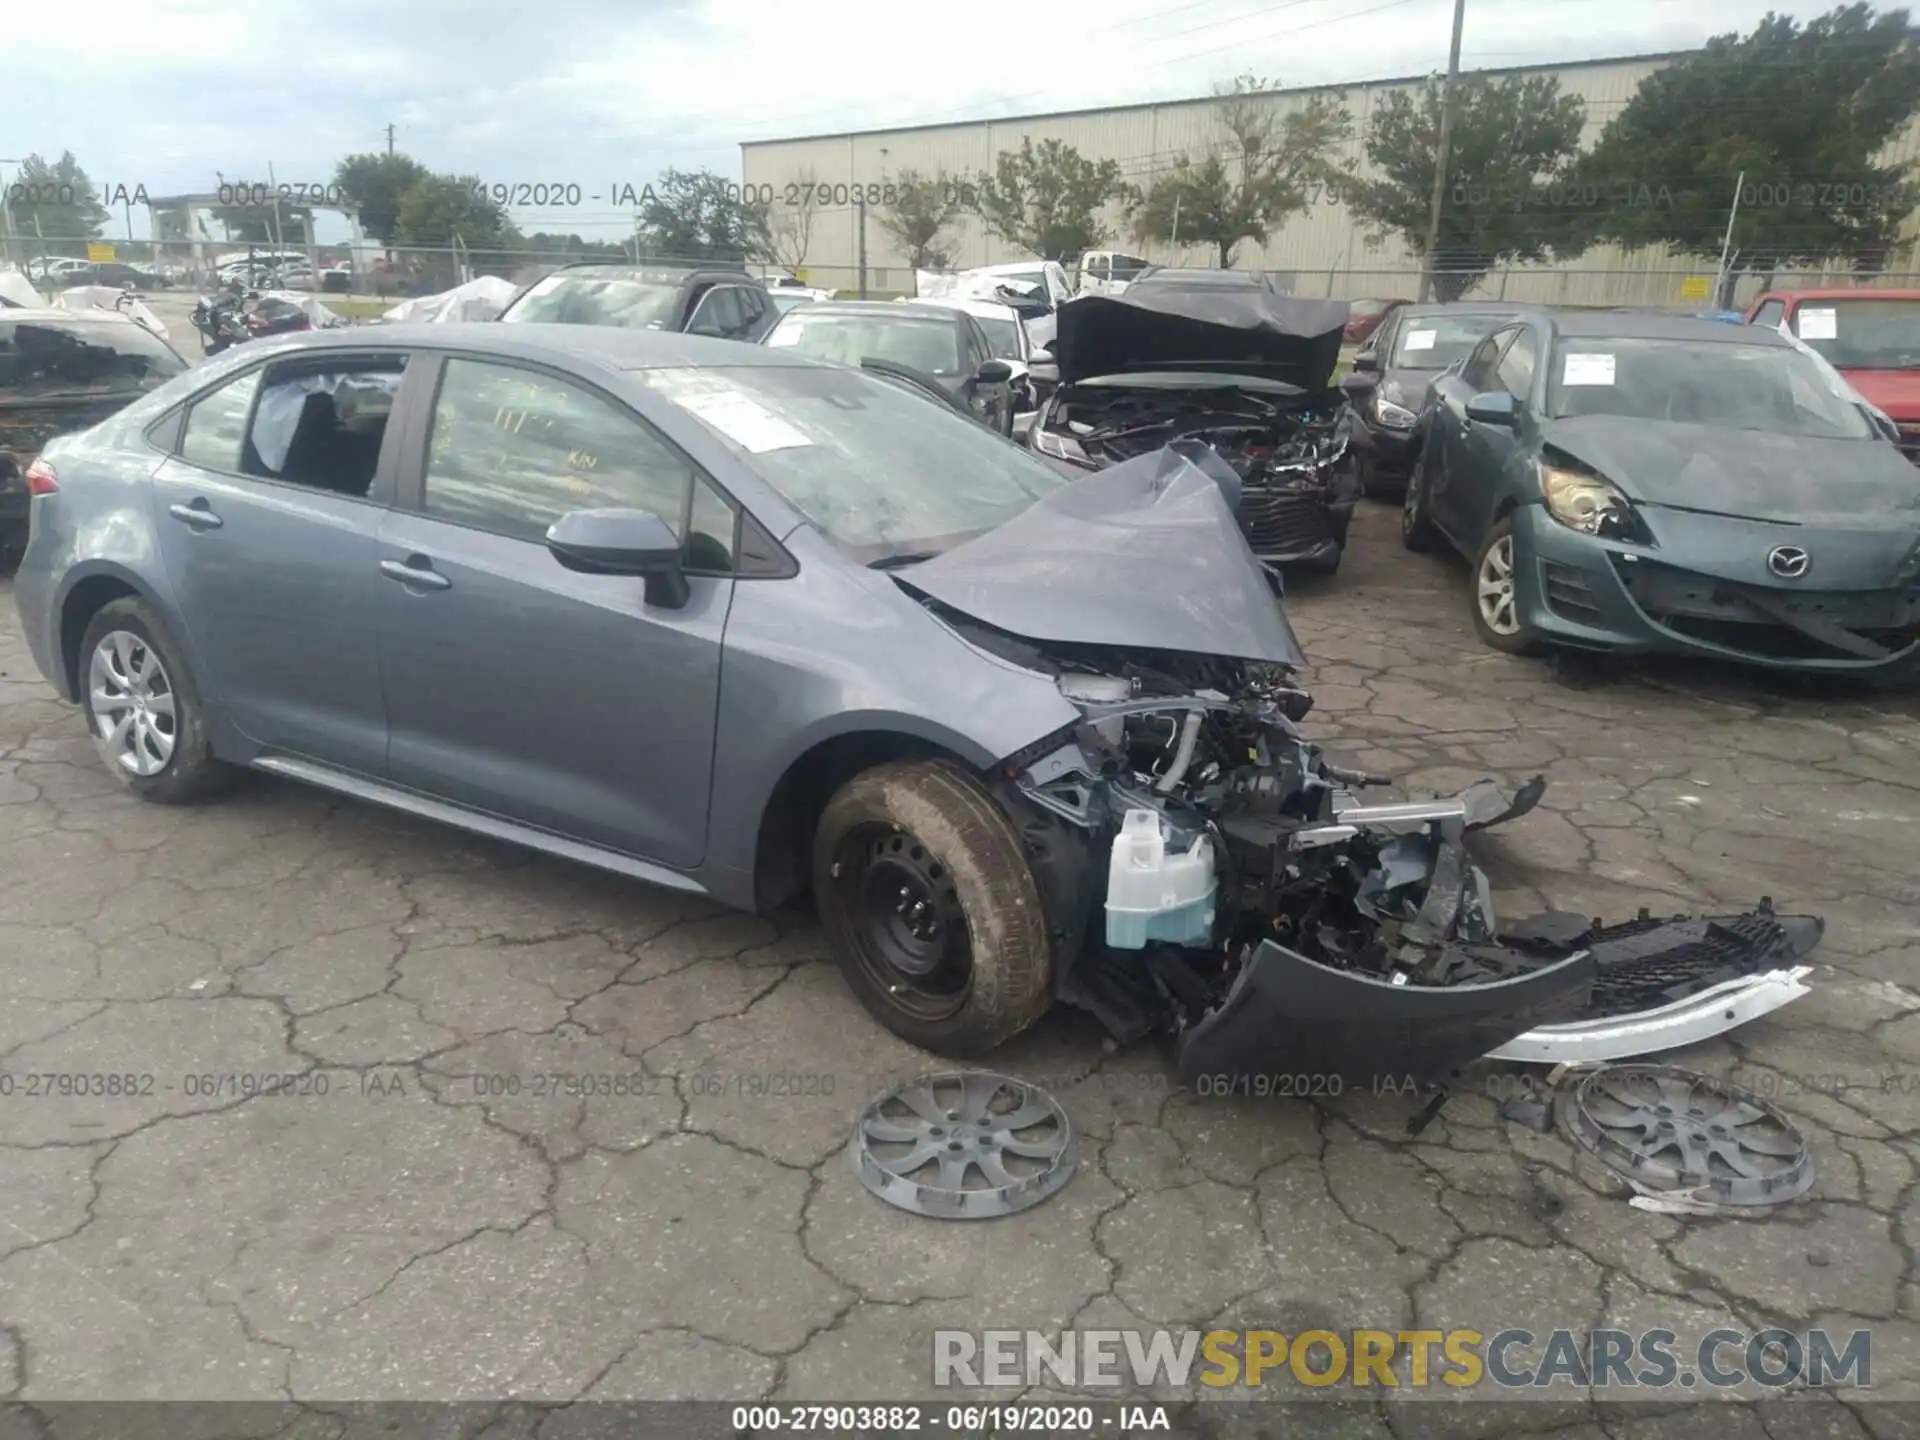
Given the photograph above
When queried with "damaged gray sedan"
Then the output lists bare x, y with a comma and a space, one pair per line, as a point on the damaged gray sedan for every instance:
745, 625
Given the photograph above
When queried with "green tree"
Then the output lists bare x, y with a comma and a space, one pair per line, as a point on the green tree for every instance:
375, 183
444, 210
917, 219
1047, 198
59, 199
1515, 139
698, 215
1802, 110
543, 242
1264, 168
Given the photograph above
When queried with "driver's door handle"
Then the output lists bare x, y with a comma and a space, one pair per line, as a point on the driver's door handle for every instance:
416, 572
198, 515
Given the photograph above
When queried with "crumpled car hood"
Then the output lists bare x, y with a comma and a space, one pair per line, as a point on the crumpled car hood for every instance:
1146, 554
1849, 484
1230, 332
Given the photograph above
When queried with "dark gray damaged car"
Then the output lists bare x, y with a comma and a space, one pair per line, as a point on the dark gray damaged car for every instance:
748, 625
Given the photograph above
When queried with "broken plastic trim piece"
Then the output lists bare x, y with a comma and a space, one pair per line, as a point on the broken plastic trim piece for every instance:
1289, 1016
1687, 1021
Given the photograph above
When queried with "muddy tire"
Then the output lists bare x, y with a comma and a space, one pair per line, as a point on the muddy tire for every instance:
143, 709
936, 919
1417, 531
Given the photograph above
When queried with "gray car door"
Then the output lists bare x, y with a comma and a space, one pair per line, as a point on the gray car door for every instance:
1453, 433
267, 514
516, 686
1490, 452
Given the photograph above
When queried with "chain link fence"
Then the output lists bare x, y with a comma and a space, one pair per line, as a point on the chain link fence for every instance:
365, 274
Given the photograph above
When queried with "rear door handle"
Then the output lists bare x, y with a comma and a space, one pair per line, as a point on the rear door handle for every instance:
416, 572
198, 514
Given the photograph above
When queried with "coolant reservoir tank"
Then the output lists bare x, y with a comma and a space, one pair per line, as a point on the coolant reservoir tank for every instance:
1153, 895
1099, 690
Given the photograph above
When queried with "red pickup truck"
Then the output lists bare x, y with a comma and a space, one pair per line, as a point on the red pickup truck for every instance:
1870, 336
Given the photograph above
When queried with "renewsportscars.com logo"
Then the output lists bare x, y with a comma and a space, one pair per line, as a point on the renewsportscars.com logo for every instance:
1460, 1359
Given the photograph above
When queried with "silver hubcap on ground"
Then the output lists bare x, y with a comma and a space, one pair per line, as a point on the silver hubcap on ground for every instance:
131, 699
1495, 586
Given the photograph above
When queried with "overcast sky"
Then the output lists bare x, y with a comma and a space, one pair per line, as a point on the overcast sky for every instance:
171, 94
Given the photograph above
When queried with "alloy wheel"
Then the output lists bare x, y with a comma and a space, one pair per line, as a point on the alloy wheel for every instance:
131, 701
1494, 588
1411, 501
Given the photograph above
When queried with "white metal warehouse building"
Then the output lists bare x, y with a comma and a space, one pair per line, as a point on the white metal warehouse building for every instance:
1322, 251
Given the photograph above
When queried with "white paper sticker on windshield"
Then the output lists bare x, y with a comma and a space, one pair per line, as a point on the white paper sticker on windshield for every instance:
1588, 370
1820, 324
747, 424
1420, 339
787, 334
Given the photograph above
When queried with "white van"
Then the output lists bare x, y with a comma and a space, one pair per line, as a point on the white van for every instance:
1109, 272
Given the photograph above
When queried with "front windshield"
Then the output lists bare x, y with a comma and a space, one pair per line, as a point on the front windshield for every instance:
637, 299
1863, 334
1433, 342
39, 359
882, 471
1003, 337
929, 345
1737, 387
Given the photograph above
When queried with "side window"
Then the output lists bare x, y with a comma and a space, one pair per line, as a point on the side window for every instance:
321, 423
1098, 267
1770, 314
217, 425
513, 450
710, 531
753, 306
1515, 371
719, 313
1478, 371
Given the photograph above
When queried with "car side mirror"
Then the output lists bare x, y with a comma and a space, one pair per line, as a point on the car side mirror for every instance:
1356, 384
1043, 367
1493, 407
993, 372
1366, 363
622, 542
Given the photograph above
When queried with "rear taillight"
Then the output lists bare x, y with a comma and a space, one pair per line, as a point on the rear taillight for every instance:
40, 479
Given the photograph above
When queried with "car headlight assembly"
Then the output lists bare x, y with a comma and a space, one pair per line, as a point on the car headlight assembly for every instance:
1589, 504
1056, 443
1394, 417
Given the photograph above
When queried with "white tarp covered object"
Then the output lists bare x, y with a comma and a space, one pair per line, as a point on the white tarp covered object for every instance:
111, 298
970, 285
481, 298
16, 289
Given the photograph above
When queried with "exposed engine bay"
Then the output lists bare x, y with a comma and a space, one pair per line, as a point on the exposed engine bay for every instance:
1290, 925
1297, 491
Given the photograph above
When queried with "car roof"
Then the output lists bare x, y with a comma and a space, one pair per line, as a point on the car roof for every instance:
686, 267
925, 310
1467, 307
1847, 292
1650, 325
41, 314
972, 305
612, 347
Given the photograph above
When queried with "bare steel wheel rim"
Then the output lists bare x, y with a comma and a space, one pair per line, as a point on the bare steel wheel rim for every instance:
131, 700
1495, 586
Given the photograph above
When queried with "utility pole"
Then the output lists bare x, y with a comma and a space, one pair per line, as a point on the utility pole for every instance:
1174, 242
1442, 153
389, 137
1721, 289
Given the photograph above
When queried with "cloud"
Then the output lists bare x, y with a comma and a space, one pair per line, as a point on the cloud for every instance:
172, 93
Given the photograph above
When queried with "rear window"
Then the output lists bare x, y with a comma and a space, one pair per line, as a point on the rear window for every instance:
929, 346
45, 359
637, 297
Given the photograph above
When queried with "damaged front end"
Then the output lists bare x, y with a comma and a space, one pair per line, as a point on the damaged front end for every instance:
1245, 373
1306, 935
1296, 492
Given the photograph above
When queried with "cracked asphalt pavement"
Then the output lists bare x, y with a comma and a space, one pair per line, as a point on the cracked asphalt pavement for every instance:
391, 1225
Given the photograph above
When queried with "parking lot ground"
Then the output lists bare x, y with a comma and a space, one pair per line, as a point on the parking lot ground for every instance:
395, 1223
